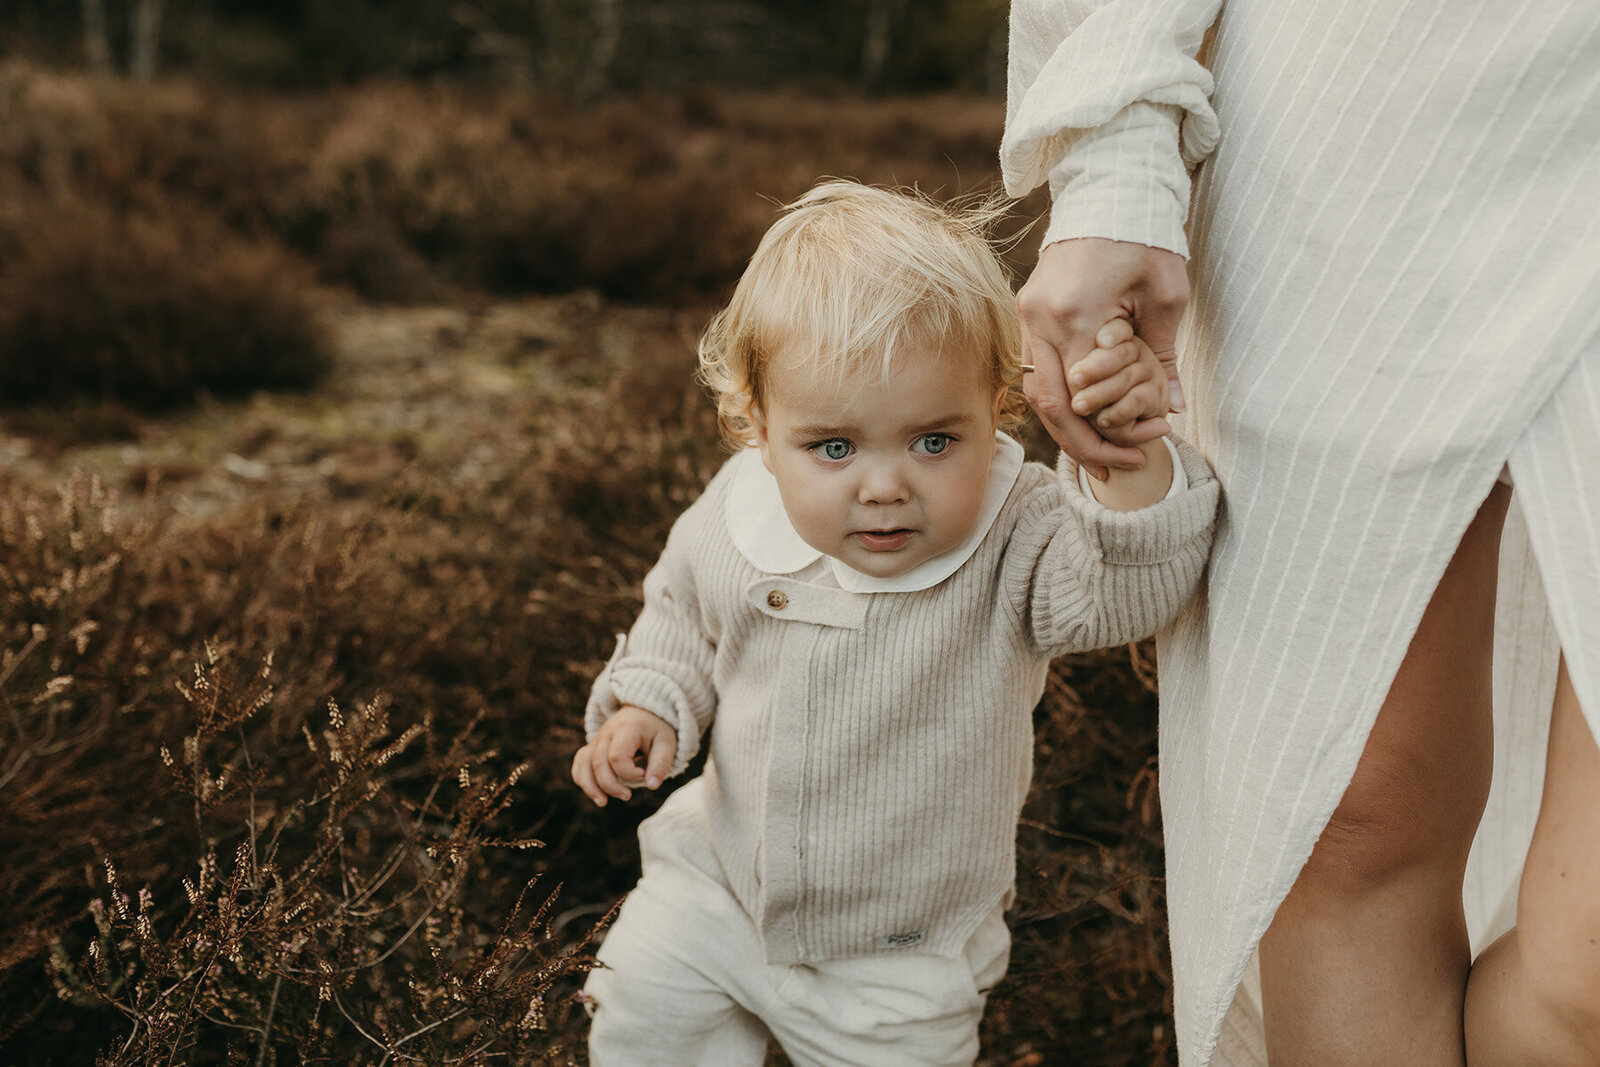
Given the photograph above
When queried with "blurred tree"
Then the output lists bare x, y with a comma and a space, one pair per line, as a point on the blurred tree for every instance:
96, 37
585, 48
144, 53
143, 36
510, 51
580, 40
882, 23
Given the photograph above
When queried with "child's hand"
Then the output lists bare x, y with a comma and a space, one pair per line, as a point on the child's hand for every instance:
1120, 382
632, 748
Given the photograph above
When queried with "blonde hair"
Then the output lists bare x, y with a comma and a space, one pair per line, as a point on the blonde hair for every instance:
848, 274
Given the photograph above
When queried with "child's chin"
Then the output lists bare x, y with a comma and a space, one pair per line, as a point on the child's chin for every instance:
883, 564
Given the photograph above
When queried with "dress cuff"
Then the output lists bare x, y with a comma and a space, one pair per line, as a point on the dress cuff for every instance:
1124, 181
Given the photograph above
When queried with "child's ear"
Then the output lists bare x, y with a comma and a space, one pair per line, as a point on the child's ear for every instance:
998, 405
758, 428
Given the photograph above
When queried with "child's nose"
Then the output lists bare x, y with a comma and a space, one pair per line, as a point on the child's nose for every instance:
883, 483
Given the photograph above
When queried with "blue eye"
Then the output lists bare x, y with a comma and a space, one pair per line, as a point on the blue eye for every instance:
836, 448
931, 444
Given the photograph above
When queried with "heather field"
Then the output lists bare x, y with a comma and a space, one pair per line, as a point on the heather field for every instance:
338, 431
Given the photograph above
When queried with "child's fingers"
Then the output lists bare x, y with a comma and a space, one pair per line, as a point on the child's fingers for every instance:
1148, 399
1101, 364
1139, 431
613, 764
1114, 333
663, 747
1138, 380
583, 775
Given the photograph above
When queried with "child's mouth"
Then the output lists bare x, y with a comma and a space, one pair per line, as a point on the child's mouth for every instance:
883, 540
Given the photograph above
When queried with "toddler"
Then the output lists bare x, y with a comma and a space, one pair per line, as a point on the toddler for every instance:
866, 599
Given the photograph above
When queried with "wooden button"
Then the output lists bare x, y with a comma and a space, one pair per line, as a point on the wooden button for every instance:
776, 600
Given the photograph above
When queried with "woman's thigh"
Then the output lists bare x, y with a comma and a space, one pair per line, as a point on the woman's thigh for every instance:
1420, 786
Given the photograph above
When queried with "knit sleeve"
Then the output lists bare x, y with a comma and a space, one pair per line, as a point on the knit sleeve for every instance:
1082, 576
664, 664
1105, 100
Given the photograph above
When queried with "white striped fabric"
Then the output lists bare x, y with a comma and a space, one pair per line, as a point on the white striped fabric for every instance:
1396, 262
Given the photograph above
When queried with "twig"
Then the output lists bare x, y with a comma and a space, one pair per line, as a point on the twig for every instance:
431, 1026
1064, 834
266, 1029
388, 1051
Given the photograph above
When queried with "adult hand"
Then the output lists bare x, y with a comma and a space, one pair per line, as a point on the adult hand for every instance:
1076, 288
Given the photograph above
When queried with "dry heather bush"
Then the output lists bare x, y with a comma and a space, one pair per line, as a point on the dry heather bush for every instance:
341, 898
206, 864
148, 312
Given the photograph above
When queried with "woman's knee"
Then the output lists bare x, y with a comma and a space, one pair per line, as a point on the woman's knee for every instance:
1409, 810
1567, 997
1558, 905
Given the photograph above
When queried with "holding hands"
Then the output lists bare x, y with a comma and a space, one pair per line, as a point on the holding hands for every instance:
1080, 309
1120, 388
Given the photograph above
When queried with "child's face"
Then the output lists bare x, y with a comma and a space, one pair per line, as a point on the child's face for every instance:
881, 473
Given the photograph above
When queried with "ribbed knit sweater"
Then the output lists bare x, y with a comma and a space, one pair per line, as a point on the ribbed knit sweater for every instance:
872, 750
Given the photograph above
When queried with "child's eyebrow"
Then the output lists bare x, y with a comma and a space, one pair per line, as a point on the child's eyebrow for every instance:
817, 430
956, 418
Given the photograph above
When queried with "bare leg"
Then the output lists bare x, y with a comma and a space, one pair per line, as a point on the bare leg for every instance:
1366, 960
1534, 998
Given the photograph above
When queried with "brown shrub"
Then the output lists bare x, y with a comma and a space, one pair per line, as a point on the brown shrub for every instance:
229, 862
406, 192
340, 892
147, 312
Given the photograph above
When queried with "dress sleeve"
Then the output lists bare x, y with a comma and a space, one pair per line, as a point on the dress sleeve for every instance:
1082, 576
1107, 103
664, 664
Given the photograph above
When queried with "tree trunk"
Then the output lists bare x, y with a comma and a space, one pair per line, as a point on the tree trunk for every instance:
513, 55
883, 19
994, 69
606, 26
96, 38
145, 48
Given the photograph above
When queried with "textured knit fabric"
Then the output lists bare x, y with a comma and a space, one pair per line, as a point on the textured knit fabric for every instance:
1396, 265
872, 750
684, 980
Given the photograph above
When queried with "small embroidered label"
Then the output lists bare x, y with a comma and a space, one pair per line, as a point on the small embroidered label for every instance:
902, 940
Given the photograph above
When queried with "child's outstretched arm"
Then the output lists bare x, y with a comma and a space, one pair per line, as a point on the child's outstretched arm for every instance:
610, 765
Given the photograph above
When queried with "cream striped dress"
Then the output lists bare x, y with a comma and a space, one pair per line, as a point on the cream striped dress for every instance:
1395, 249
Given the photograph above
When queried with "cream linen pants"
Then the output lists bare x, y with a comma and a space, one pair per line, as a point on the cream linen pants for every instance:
685, 983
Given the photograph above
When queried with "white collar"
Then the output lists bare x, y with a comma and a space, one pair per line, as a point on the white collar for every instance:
763, 534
